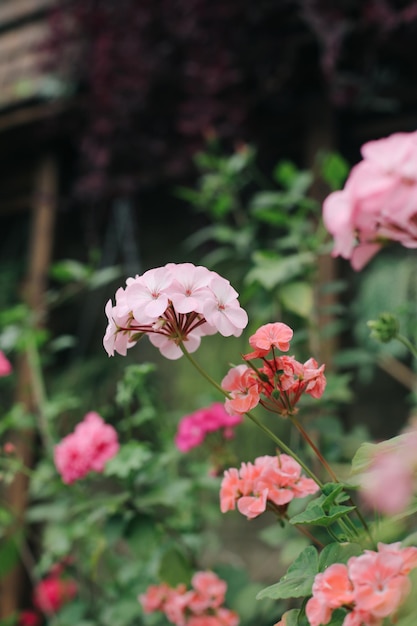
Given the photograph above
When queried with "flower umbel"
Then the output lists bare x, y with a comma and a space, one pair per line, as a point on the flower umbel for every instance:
173, 304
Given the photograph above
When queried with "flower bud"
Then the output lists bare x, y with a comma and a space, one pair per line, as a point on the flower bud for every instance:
385, 328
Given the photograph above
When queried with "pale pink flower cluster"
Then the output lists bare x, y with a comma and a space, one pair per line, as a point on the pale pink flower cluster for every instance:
379, 201
389, 483
173, 304
87, 449
5, 365
202, 605
271, 482
371, 587
279, 384
193, 428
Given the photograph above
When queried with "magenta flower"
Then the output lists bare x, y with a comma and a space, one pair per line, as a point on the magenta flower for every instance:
379, 201
193, 429
174, 305
87, 449
5, 365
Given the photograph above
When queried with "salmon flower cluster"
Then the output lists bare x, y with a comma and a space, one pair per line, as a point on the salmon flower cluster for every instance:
370, 587
174, 304
193, 428
269, 483
379, 201
280, 382
202, 605
87, 449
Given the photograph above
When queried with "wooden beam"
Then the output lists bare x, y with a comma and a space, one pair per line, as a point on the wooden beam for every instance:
44, 205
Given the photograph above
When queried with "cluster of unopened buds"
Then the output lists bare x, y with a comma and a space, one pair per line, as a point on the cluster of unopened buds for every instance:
202, 605
269, 483
280, 382
173, 304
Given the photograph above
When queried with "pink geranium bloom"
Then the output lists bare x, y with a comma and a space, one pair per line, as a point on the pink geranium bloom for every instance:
379, 201
379, 585
193, 429
243, 386
51, 593
271, 479
333, 587
172, 305
269, 336
317, 612
230, 490
154, 597
87, 449
5, 365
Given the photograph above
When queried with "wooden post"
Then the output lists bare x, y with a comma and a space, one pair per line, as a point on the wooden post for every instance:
44, 206
321, 137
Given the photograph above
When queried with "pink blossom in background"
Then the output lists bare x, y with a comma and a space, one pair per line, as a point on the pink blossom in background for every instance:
388, 482
271, 480
5, 365
193, 429
379, 201
173, 305
51, 593
29, 618
371, 587
87, 449
201, 605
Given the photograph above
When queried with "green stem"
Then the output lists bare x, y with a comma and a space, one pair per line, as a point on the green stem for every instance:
407, 343
39, 392
253, 418
315, 449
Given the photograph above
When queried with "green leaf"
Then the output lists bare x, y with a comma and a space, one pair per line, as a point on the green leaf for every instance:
334, 170
285, 173
69, 270
297, 297
338, 553
291, 617
174, 568
271, 270
298, 580
131, 457
9, 554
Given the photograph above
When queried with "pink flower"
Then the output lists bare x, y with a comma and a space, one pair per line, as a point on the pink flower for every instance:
202, 605
269, 336
174, 305
51, 593
29, 618
271, 479
193, 429
370, 587
87, 449
5, 365
379, 201
242, 383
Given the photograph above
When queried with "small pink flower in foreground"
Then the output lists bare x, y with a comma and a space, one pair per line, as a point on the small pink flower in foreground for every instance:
87, 449
193, 428
5, 365
379, 201
271, 481
174, 304
199, 606
370, 587
29, 618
